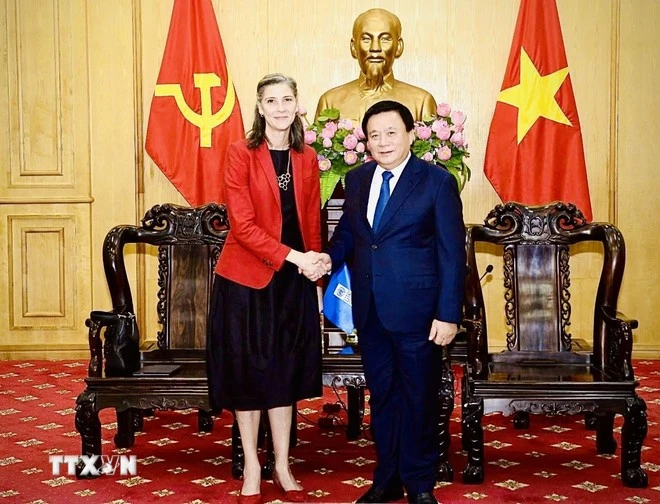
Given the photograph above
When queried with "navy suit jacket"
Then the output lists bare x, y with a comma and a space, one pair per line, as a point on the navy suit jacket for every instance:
415, 264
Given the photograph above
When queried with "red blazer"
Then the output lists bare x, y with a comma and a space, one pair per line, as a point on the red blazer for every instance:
253, 250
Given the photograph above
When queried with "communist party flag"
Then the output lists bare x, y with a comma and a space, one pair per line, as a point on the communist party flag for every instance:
534, 153
194, 112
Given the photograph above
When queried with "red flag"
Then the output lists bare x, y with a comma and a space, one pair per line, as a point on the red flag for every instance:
194, 113
534, 153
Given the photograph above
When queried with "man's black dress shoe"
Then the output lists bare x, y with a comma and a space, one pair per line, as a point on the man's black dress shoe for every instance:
378, 494
423, 498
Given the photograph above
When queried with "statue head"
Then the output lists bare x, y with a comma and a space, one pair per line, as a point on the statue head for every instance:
376, 43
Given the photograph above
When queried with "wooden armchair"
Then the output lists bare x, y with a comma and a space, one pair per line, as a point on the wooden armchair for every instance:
188, 242
541, 371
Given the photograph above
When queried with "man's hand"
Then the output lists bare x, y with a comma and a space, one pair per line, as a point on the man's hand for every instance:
442, 333
313, 264
326, 261
309, 264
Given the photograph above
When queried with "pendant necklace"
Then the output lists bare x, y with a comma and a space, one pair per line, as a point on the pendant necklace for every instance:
284, 179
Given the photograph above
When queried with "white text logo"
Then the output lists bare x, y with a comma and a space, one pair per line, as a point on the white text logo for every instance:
95, 465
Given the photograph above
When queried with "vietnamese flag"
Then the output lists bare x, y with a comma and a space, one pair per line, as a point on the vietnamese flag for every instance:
194, 112
534, 153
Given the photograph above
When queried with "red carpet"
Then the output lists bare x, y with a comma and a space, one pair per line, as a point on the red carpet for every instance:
554, 461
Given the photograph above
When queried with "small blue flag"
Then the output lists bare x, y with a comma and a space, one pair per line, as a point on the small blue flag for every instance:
337, 304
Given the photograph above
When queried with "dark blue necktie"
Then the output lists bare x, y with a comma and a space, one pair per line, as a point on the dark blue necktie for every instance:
383, 198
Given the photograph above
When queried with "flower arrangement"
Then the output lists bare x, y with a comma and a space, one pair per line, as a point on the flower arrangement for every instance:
341, 146
441, 140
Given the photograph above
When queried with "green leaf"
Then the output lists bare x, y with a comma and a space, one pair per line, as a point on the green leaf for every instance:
457, 176
329, 181
338, 147
421, 147
331, 114
453, 163
341, 134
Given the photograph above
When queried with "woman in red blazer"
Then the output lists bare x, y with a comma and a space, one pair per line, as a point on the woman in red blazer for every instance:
264, 345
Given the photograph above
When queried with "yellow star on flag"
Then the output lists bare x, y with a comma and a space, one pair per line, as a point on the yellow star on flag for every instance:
535, 95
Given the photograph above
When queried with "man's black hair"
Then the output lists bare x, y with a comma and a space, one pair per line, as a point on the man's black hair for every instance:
389, 106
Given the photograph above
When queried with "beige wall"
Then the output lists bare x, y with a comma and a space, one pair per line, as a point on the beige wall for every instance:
79, 80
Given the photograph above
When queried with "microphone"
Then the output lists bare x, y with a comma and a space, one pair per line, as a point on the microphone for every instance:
489, 269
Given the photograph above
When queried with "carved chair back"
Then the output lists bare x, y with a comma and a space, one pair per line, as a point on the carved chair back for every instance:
188, 243
535, 243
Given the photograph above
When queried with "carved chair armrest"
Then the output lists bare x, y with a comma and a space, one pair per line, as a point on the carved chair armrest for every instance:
618, 357
617, 318
477, 343
96, 321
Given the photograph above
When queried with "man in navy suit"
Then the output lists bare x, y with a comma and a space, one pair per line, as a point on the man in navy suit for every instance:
402, 232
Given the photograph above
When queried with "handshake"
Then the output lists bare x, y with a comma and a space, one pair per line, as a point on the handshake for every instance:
313, 264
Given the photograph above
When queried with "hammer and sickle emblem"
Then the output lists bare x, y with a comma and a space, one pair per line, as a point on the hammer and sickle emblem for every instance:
207, 120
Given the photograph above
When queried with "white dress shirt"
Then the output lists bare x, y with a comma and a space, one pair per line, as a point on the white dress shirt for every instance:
377, 181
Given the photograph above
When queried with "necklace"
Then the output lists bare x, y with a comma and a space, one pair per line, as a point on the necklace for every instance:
284, 179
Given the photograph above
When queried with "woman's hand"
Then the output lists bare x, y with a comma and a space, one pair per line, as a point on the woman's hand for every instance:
309, 264
312, 266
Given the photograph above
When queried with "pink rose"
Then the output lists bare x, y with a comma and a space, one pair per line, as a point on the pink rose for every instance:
457, 118
359, 133
331, 126
346, 124
327, 143
443, 133
310, 137
444, 153
458, 139
324, 164
423, 132
368, 158
350, 157
443, 110
328, 132
302, 111
350, 142
427, 157
438, 124
360, 147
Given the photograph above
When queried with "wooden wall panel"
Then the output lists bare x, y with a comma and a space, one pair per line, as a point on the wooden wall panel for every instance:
46, 254
45, 198
40, 241
248, 50
113, 125
637, 183
46, 99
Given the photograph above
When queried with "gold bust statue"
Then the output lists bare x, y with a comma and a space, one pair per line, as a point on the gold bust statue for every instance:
376, 43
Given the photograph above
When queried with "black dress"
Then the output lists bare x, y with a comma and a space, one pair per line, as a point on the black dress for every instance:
264, 345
